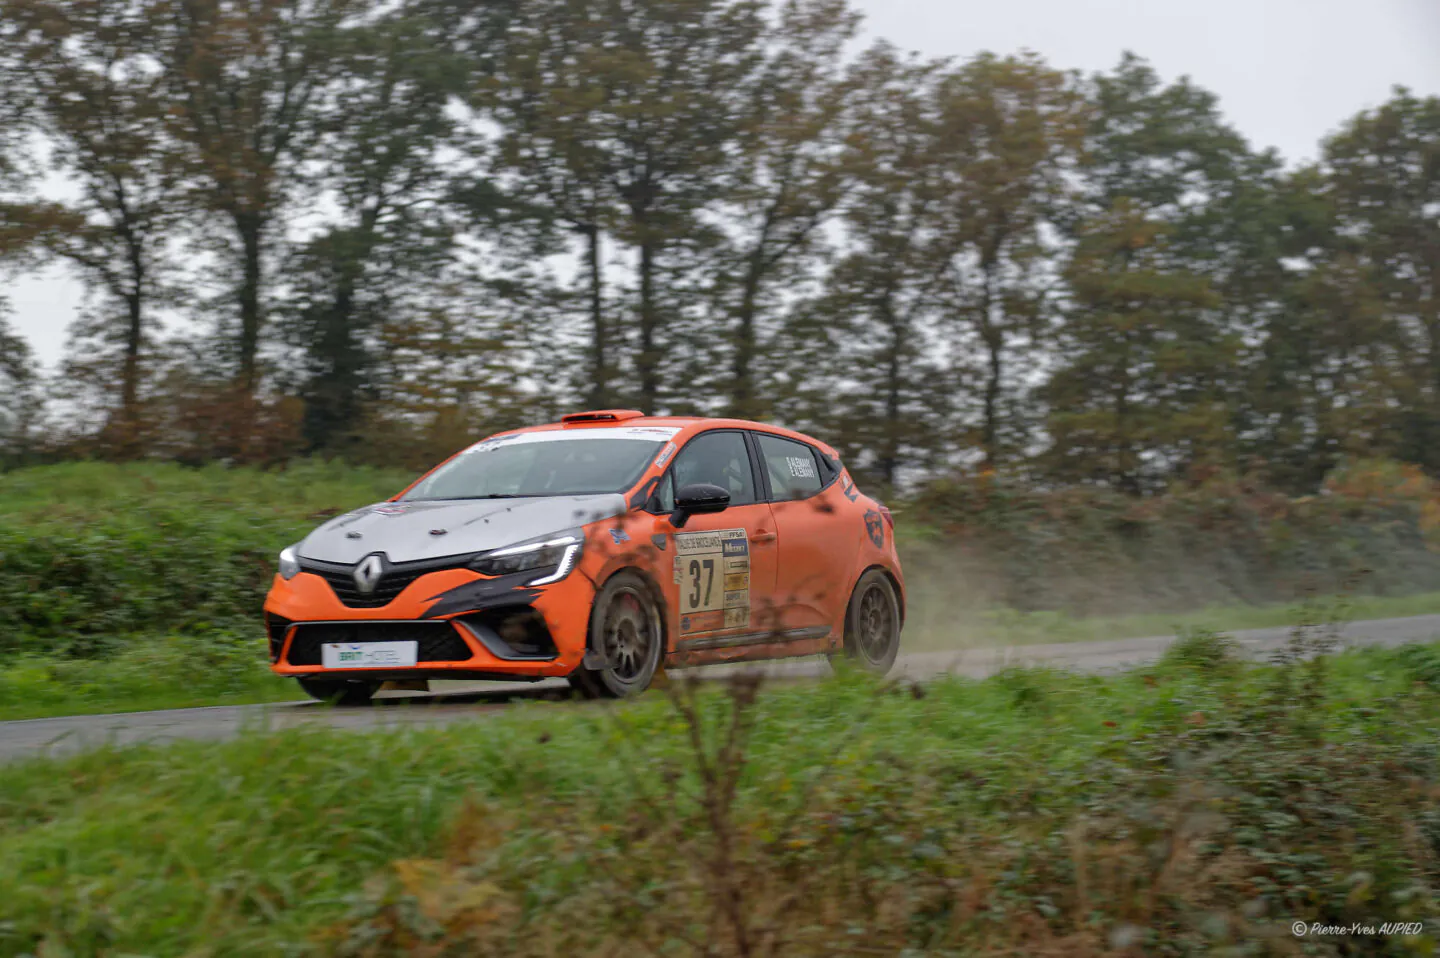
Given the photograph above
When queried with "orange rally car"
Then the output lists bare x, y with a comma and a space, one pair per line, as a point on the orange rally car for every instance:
597, 549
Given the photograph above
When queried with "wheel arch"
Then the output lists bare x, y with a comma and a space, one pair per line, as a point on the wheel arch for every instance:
894, 581
657, 593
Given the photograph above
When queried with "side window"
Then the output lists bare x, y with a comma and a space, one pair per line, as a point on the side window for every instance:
790, 466
721, 459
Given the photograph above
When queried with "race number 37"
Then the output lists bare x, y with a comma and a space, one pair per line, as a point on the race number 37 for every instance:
701, 579
713, 572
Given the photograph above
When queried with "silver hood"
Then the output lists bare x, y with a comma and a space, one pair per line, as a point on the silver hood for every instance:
410, 531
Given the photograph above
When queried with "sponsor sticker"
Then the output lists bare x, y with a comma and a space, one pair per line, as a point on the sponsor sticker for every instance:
737, 618
651, 432
368, 655
706, 621
665, 454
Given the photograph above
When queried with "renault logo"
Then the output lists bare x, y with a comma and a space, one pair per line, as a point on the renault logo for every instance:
368, 573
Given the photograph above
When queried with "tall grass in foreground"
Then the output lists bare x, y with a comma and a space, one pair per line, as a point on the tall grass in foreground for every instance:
1197, 807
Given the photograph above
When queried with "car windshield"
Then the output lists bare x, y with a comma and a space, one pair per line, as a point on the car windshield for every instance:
551, 463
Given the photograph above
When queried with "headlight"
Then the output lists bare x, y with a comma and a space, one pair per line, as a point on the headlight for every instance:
554, 557
289, 563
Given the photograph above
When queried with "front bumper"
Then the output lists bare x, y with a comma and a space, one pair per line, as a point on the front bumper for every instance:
465, 625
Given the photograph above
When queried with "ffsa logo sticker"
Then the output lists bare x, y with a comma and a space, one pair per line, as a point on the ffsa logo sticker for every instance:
876, 527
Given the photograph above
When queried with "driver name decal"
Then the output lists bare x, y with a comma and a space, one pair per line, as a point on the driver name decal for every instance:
800, 468
713, 572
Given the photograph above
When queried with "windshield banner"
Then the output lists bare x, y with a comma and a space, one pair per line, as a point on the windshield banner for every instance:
641, 433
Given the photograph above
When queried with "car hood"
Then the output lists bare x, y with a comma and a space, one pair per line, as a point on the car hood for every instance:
416, 530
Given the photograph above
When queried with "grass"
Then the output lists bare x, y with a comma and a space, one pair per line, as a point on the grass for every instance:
165, 673
68, 495
942, 821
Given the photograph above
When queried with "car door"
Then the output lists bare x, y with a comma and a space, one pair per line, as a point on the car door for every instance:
814, 558
723, 564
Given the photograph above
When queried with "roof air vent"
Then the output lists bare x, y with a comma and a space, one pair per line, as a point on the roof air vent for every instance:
599, 416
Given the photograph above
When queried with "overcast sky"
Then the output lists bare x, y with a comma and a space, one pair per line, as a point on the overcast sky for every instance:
1287, 72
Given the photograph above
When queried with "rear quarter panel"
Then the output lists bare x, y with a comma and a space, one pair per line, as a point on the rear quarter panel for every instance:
876, 540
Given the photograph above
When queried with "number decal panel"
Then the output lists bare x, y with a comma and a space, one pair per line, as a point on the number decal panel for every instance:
713, 572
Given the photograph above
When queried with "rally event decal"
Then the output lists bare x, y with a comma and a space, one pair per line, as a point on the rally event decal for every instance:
713, 572
875, 526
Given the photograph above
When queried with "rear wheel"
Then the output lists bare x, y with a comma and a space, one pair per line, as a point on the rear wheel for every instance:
626, 635
340, 691
872, 624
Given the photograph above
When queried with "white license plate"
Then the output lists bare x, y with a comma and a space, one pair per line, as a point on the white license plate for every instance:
368, 655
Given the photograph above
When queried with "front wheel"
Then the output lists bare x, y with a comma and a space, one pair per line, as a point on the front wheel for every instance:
625, 635
872, 624
340, 691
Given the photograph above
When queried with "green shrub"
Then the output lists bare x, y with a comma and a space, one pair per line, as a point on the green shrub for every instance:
1420, 662
92, 554
1091, 551
1201, 650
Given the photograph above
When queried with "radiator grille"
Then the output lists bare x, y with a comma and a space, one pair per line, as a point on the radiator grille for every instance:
437, 641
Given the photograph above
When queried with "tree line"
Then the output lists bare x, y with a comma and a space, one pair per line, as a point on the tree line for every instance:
376, 228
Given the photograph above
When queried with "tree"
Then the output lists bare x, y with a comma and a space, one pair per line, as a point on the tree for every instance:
1384, 177
1139, 395
98, 103
1314, 388
383, 125
1010, 138
243, 79
19, 403
623, 116
1150, 350
865, 355
789, 180
17, 369
475, 355
551, 144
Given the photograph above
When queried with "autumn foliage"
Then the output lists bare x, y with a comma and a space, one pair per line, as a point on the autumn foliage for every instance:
350, 227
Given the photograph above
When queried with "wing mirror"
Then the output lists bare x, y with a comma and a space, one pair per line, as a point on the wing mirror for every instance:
698, 498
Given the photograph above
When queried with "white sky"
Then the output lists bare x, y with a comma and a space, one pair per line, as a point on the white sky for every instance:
1287, 72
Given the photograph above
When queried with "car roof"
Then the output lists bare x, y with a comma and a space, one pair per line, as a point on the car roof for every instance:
578, 422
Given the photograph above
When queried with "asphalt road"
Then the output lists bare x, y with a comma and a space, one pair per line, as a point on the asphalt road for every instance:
457, 702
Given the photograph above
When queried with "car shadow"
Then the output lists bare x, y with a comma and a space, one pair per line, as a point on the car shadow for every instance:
482, 694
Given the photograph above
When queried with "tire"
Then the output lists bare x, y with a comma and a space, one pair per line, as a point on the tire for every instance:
626, 626
872, 624
340, 691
